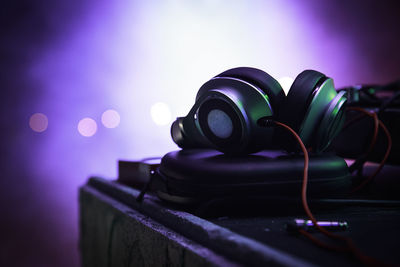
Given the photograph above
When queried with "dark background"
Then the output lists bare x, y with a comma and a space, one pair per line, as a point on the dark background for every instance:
76, 59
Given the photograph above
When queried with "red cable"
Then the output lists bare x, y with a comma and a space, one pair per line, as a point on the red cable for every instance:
349, 242
382, 163
376, 126
377, 123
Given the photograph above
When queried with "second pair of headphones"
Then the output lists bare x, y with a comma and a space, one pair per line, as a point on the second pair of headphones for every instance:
231, 109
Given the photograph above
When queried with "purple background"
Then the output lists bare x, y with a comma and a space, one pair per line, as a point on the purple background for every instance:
76, 59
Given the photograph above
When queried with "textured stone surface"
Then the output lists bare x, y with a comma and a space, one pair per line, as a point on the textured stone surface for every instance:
236, 247
112, 234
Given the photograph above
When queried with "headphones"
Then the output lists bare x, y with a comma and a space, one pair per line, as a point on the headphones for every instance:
232, 111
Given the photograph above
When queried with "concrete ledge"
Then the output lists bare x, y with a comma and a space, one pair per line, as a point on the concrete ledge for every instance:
113, 234
236, 248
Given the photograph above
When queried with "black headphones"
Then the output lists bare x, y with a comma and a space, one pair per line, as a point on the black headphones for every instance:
231, 110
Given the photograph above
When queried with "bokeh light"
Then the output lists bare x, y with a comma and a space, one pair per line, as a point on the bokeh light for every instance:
127, 55
160, 113
110, 118
286, 82
87, 127
38, 122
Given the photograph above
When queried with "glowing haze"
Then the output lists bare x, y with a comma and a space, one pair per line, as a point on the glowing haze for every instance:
108, 78
132, 56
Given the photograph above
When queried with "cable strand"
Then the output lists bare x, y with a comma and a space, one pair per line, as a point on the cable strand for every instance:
367, 260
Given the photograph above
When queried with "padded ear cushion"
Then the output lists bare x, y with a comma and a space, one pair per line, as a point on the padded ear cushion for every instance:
295, 107
261, 80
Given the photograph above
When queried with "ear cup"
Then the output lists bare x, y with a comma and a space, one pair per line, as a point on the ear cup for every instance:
229, 106
295, 106
261, 80
313, 109
226, 113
